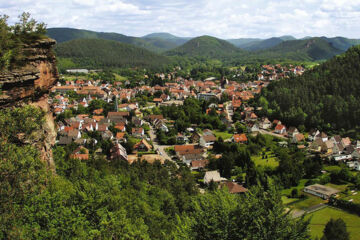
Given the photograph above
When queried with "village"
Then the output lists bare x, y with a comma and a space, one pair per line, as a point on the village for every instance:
97, 118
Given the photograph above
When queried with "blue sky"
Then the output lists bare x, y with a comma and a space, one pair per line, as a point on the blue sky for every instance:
219, 18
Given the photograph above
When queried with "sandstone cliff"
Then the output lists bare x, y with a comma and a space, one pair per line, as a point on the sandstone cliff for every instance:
30, 84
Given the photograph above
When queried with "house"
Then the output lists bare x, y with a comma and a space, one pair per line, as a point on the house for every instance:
327, 147
198, 164
322, 191
142, 146
188, 153
297, 138
75, 134
151, 118
112, 116
292, 131
120, 126
80, 153
280, 129
234, 187
345, 142
342, 157
265, 124
98, 111
157, 101
120, 137
253, 127
316, 145
313, 133
118, 152
181, 138
207, 139
159, 124
138, 132
108, 135
276, 122
323, 136
239, 138
213, 176
188, 158
195, 137
65, 140
357, 165
137, 121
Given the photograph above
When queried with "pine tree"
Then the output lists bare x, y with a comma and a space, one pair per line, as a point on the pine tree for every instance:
335, 230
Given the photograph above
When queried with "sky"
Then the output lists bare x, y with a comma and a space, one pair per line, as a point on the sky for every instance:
190, 18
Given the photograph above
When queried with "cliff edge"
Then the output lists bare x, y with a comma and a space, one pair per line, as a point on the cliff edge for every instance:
30, 84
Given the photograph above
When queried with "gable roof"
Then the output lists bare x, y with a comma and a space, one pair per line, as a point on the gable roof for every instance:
240, 137
235, 188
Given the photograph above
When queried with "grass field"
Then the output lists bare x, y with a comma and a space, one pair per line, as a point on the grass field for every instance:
299, 187
120, 78
309, 201
224, 135
332, 168
355, 196
321, 217
287, 200
271, 161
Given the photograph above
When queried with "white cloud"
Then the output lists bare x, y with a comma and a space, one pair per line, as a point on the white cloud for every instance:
221, 18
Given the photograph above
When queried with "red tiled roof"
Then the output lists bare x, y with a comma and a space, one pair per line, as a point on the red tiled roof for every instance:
240, 138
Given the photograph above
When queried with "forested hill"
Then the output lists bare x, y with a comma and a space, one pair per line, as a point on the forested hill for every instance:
206, 46
68, 34
95, 53
327, 97
302, 50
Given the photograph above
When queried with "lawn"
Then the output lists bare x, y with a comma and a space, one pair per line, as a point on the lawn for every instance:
309, 201
355, 198
271, 161
332, 168
120, 78
287, 200
338, 187
321, 217
299, 188
223, 135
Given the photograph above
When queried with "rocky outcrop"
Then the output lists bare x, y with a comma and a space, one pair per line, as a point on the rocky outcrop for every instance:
37, 75
29, 84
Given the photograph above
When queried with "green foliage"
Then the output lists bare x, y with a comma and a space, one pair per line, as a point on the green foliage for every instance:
335, 230
95, 53
152, 44
257, 215
13, 37
206, 46
326, 97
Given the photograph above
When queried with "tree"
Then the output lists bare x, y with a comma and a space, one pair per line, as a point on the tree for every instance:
335, 230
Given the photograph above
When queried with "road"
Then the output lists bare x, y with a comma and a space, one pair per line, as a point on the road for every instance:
229, 110
272, 134
159, 148
299, 213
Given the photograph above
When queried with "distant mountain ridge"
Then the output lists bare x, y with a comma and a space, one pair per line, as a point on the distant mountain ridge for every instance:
206, 46
231, 50
94, 53
68, 34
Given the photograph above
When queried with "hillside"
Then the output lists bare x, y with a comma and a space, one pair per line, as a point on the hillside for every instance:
342, 43
95, 53
264, 44
302, 50
327, 97
165, 41
206, 46
68, 34
240, 42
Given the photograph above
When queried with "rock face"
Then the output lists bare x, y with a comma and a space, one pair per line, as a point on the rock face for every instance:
34, 78
29, 84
